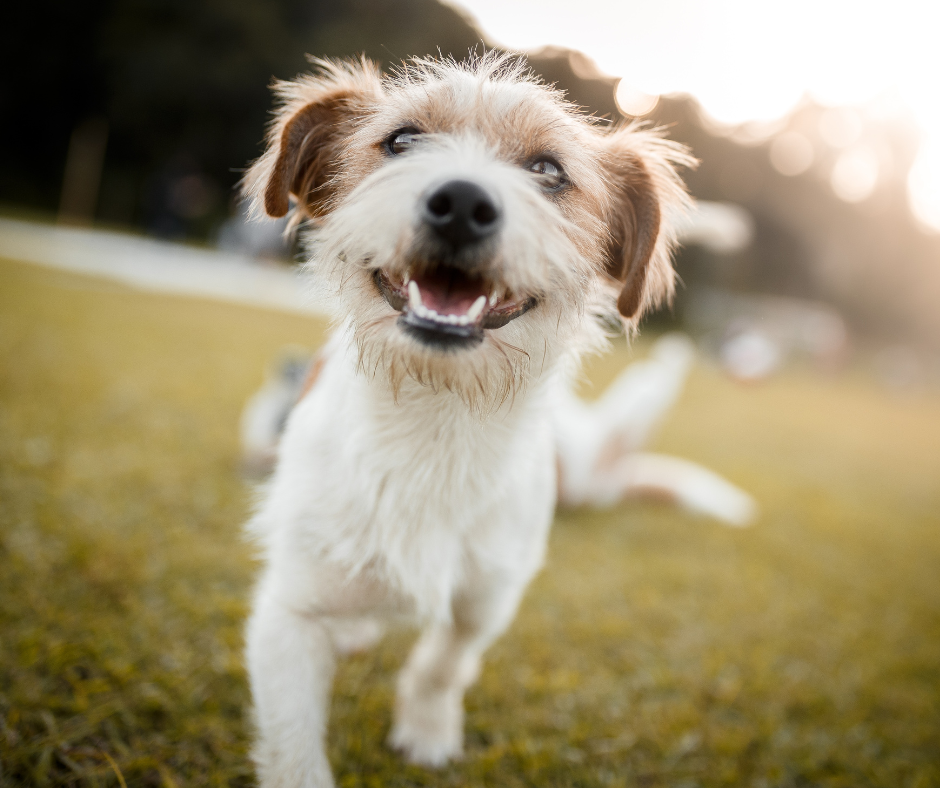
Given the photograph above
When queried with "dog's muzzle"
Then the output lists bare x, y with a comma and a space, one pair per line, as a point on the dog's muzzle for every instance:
446, 298
445, 308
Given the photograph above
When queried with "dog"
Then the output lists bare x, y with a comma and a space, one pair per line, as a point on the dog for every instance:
474, 235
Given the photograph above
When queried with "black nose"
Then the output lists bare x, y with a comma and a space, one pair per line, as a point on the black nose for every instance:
461, 213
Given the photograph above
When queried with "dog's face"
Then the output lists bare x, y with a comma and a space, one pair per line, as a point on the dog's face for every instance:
471, 225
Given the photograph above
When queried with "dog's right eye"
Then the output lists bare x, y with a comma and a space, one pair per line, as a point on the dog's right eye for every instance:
403, 140
550, 173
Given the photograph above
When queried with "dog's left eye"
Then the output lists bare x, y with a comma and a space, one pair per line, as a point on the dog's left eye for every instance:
403, 140
551, 175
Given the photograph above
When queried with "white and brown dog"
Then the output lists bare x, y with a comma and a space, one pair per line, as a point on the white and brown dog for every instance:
475, 235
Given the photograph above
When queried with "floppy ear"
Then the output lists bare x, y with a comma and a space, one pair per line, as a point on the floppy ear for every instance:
316, 113
648, 198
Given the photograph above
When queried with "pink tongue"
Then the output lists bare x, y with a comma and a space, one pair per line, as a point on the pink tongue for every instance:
448, 295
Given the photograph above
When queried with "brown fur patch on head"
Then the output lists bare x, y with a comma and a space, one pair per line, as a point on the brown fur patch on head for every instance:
495, 96
317, 114
606, 227
647, 195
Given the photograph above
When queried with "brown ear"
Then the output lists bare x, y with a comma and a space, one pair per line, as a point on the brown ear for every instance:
317, 113
647, 195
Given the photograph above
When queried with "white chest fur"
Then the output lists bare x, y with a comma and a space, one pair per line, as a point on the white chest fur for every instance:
412, 490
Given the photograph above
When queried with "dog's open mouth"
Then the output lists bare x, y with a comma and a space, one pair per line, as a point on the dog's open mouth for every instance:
448, 308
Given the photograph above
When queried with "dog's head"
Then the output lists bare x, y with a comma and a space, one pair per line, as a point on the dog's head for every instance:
471, 224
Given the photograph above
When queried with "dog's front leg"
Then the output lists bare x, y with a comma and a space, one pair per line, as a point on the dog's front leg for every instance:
291, 664
428, 725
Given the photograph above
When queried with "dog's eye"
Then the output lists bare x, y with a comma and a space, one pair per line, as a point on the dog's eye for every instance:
551, 175
402, 140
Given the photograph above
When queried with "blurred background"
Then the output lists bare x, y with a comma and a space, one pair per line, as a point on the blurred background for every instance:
817, 126
139, 310
818, 129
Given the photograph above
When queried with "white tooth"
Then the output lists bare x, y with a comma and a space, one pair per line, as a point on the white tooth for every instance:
407, 278
463, 321
477, 308
493, 298
414, 295
454, 319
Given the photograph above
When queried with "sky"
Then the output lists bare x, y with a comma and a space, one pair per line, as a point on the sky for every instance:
754, 60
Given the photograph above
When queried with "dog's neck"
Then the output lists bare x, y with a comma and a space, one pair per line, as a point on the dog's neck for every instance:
414, 409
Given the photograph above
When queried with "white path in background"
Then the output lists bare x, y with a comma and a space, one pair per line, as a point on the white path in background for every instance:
167, 267
160, 266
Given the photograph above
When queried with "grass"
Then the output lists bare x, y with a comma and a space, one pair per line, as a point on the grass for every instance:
654, 650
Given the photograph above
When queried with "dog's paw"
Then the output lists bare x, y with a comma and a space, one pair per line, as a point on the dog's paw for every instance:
429, 731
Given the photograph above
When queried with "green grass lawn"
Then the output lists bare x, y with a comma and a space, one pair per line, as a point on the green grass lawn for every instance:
655, 649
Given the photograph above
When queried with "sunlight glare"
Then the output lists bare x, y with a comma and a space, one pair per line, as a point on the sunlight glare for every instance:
840, 127
747, 61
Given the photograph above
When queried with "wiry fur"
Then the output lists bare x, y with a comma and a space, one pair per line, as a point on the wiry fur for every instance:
412, 480
549, 264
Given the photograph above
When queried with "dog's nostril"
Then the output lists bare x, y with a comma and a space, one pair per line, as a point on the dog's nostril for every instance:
440, 205
485, 213
461, 213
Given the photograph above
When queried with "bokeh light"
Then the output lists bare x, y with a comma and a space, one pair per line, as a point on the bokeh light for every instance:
924, 184
631, 101
855, 174
791, 153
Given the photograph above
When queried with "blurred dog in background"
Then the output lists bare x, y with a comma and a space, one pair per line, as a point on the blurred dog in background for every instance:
474, 235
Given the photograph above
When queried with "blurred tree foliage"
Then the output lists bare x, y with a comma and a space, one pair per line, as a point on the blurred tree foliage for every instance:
184, 88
